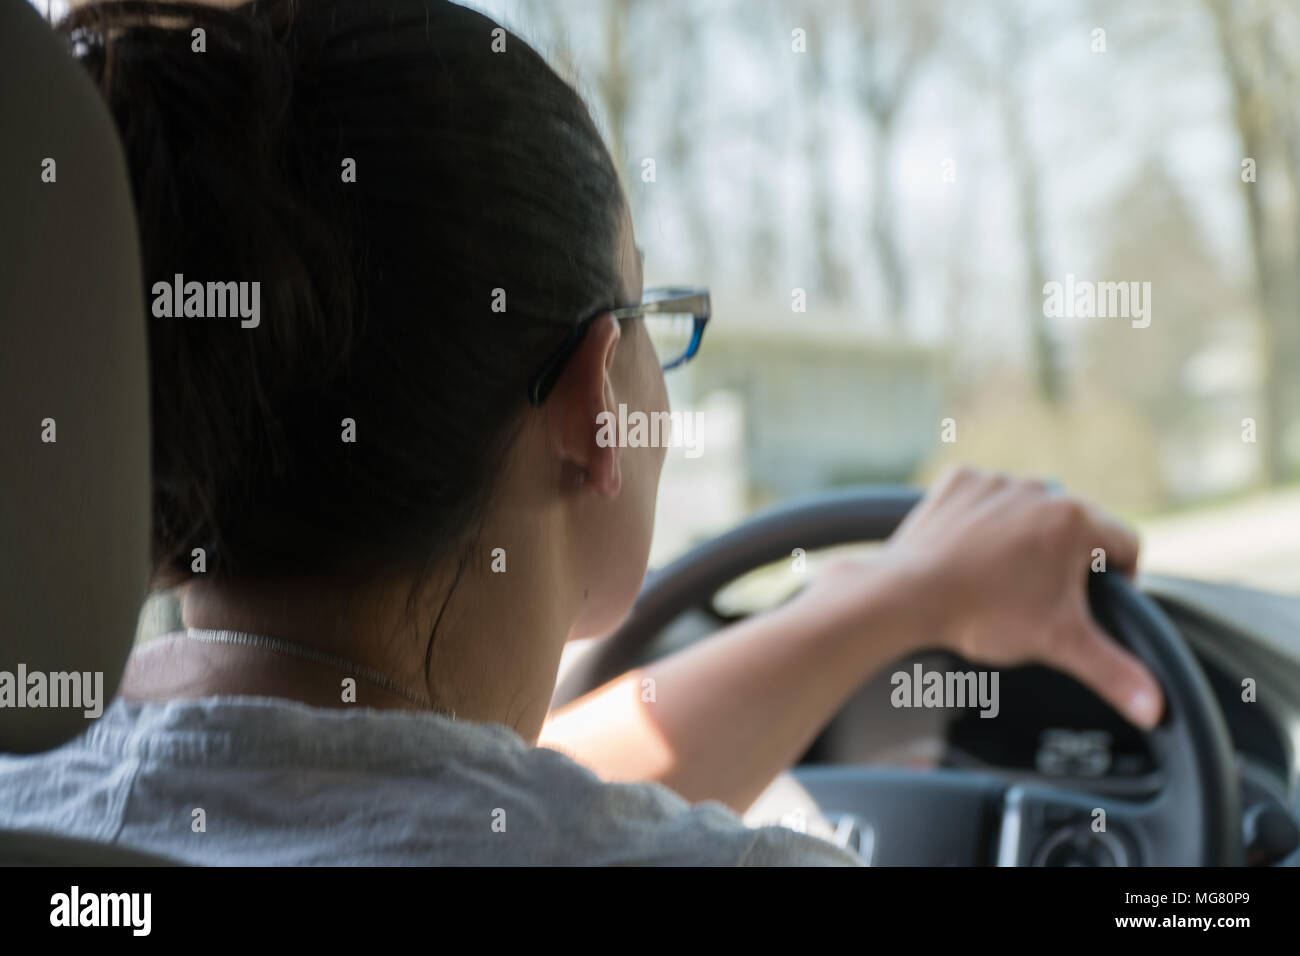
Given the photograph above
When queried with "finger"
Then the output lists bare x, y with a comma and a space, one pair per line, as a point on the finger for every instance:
1113, 674
1117, 539
1002, 492
975, 493
950, 486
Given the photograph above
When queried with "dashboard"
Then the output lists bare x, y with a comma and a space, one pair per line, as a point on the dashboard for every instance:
1051, 730
1056, 732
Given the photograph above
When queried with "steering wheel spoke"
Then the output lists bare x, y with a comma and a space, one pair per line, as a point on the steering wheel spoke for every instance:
1043, 826
912, 817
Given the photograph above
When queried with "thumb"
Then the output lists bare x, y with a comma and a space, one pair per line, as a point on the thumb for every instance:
1113, 674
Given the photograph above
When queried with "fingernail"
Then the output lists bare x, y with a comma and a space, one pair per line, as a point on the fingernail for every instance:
1142, 708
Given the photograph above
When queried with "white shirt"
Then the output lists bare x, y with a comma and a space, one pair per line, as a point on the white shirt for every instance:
260, 781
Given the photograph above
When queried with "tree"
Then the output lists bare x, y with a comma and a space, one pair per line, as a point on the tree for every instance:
1261, 81
891, 43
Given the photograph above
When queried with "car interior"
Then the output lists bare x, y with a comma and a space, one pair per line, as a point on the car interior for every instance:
1216, 784
1213, 785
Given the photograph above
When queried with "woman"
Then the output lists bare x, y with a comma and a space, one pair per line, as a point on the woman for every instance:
390, 505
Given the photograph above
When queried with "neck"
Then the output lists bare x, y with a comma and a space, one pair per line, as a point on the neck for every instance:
496, 635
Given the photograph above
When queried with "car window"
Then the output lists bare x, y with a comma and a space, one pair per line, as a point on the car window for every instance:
1049, 238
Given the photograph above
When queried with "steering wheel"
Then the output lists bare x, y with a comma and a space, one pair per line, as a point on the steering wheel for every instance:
945, 816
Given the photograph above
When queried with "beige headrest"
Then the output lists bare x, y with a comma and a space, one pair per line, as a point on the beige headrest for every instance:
74, 511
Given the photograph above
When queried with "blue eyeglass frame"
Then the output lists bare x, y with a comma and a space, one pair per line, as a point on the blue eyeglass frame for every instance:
684, 300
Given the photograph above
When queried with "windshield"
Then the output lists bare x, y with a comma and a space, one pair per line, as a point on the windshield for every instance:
1054, 238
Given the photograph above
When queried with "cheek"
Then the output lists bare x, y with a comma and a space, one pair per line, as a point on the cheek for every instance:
621, 548
616, 553
648, 391
647, 463
658, 388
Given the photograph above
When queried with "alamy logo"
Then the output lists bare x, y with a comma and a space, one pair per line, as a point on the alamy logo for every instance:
208, 300
653, 430
55, 689
75, 908
949, 689
1084, 299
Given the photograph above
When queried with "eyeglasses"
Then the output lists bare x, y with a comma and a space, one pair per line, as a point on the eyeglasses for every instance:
674, 319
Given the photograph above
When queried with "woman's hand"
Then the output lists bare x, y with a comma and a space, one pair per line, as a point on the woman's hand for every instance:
987, 566
997, 570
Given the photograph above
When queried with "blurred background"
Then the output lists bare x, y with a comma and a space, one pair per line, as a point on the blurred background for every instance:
877, 192
915, 171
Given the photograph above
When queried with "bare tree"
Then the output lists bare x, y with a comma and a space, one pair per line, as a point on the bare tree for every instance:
890, 44
1010, 85
616, 77
1000, 71
815, 94
1265, 120
681, 32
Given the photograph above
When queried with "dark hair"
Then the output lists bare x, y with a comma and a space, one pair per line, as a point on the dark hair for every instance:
476, 170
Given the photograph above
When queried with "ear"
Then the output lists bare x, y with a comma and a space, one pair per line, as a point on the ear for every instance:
582, 410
